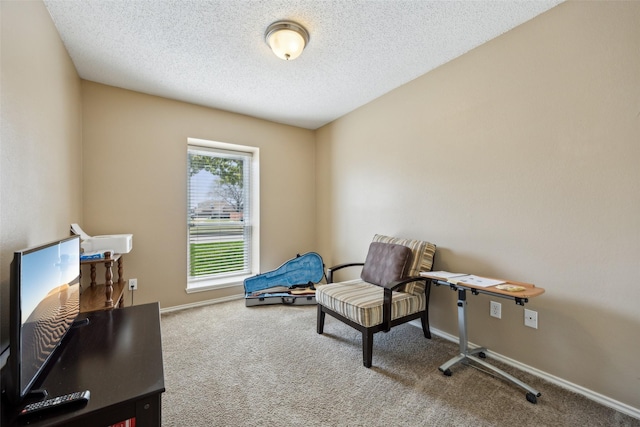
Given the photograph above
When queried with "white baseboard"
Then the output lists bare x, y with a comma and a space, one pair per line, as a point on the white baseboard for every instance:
589, 394
201, 303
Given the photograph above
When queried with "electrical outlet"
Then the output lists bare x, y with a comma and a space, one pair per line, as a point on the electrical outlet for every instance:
495, 309
133, 284
531, 318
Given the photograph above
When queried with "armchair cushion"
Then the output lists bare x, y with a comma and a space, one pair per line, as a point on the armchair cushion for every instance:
422, 259
386, 262
362, 302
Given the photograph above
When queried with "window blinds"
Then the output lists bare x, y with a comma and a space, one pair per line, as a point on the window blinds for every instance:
219, 220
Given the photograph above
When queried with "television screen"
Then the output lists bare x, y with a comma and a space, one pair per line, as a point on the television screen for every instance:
45, 286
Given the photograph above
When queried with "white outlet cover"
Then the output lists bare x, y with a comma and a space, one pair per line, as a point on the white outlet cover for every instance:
531, 318
495, 309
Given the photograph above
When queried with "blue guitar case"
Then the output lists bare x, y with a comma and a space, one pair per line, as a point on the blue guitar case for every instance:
292, 283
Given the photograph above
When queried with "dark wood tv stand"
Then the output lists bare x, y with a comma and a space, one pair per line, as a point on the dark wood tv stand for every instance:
117, 356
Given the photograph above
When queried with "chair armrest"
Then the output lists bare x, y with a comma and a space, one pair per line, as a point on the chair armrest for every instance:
388, 292
330, 270
395, 284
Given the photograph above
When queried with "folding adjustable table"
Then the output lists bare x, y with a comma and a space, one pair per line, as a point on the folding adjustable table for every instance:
477, 354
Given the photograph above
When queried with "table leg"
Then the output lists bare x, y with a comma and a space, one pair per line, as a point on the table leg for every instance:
149, 411
467, 355
120, 278
463, 338
108, 284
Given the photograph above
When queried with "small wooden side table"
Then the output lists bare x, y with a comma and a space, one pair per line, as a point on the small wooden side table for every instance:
91, 299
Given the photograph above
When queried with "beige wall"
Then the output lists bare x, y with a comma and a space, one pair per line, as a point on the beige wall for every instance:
134, 174
520, 160
40, 134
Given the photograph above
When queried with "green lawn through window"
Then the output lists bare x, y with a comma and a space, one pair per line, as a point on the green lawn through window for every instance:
216, 257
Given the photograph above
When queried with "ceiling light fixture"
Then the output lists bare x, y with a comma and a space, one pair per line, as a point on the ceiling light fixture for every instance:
286, 39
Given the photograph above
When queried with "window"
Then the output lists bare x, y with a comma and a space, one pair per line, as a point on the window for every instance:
222, 214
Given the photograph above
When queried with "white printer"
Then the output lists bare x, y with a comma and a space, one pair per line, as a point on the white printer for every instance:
117, 243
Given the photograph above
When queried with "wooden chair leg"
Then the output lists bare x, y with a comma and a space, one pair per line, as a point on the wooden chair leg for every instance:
320, 321
425, 324
367, 348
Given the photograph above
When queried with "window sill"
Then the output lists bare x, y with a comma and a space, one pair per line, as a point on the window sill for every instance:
211, 284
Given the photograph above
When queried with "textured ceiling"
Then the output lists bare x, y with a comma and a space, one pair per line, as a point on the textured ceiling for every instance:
213, 53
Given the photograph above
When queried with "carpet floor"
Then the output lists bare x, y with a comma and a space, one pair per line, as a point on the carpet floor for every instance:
231, 365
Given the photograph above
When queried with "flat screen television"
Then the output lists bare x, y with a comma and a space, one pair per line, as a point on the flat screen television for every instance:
44, 301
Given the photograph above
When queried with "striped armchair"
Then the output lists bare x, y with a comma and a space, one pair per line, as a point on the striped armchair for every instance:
389, 292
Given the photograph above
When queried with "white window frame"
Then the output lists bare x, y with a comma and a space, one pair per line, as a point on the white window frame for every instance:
206, 284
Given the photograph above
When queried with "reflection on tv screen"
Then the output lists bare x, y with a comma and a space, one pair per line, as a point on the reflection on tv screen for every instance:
50, 301
46, 326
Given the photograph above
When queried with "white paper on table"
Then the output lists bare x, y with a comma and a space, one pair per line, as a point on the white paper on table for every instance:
442, 274
471, 279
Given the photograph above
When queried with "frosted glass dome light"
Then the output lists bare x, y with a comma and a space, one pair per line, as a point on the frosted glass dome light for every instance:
286, 39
